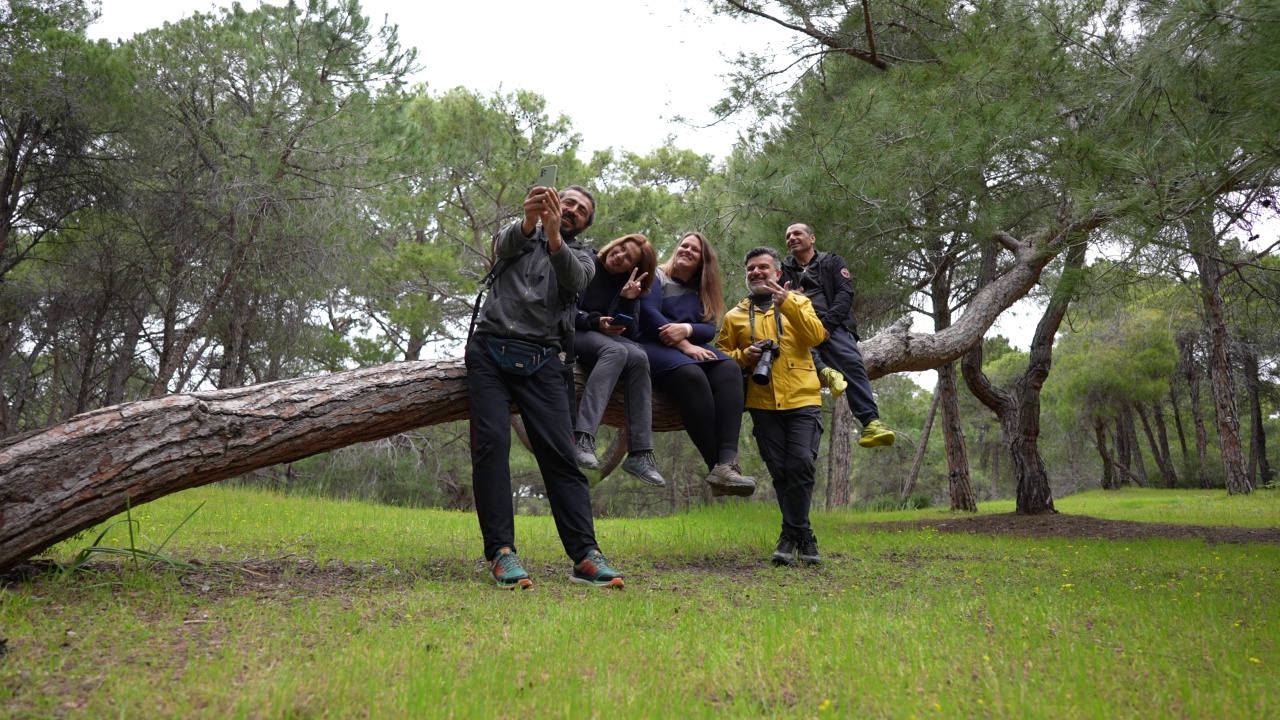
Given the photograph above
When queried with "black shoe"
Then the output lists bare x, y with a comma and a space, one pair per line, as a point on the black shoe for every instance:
785, 553
809, 550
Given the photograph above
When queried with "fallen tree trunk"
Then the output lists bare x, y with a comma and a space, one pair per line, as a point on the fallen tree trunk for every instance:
58, 481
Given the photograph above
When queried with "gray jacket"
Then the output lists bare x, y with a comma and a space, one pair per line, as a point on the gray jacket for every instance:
533, 299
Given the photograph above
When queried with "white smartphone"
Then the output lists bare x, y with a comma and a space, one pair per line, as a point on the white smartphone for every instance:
547, 177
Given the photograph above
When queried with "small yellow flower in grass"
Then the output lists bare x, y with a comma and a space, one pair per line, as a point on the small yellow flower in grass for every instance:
1254, 660
825, 706
937, 706
1067, 586
986, 658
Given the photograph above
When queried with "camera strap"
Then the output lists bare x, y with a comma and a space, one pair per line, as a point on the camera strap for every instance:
751, 318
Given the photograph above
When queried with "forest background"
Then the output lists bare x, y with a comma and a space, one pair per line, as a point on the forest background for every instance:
258, 194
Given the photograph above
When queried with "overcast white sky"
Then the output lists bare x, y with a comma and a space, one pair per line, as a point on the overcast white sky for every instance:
642, 61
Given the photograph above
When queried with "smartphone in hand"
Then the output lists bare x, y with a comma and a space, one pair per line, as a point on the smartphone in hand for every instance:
546, 177
622, 319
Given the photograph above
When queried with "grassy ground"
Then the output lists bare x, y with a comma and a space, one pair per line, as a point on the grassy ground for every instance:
309, 608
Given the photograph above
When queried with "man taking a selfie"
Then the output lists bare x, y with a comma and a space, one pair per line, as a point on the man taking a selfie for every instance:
770, 334
515, 356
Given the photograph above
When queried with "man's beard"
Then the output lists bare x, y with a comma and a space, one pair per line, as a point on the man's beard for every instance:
569, 233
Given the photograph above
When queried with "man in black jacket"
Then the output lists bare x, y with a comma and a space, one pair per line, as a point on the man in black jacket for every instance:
515, 356
824, 279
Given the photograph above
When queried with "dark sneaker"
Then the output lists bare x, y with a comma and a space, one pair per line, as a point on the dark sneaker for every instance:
594, 570
508, 573
876, 434
727, 479
642, 465
585, 451
785, 553
809, 550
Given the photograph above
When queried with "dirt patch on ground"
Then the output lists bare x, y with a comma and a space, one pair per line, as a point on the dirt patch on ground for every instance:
1083, 527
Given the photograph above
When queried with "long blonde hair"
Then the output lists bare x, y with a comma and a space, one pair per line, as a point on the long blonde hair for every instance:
707, 278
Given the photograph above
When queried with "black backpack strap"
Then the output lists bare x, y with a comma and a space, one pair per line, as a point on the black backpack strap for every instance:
487, 281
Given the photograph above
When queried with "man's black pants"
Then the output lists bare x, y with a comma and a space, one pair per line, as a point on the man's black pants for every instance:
840, 351
788, 441
543, 402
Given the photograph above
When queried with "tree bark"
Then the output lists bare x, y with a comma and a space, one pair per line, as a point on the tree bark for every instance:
1204, 251
1166, 470
1019, 410
1187, 361
958, 482
1131, 438
1258, 466
1100, 439
1182, 435
840, 455
909, 485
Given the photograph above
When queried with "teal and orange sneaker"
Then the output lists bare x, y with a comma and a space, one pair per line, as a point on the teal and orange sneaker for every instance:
594, 570
508, 573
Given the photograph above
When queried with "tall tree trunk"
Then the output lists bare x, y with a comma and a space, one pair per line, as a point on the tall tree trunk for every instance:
1258, 465
1019, 410
909, 485
1162, 433
1166, 471
1131, 438
1100, 439
1204, 251
1187, 359
958, 482
1182, 436
839, 457
1124, 454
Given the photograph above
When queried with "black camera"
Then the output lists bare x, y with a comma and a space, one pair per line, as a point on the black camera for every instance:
768, 350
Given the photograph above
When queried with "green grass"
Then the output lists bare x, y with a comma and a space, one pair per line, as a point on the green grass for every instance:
347, 609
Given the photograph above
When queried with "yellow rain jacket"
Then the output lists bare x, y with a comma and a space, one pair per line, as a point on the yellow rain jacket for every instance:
794, 382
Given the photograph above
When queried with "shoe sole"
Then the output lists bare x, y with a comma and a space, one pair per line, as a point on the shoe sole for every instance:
732, 490
610, 583
661, 482
878, 441
521, 584
782, 560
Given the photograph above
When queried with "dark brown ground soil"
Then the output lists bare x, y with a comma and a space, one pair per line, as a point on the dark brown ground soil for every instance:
1084, 527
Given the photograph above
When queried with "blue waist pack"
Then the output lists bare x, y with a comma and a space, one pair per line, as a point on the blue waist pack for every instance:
518, 357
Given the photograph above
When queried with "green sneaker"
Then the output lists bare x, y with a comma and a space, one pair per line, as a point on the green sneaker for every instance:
833, 380
594, 570
508, 573
876, 434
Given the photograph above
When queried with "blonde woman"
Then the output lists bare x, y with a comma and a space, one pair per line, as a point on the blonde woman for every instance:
678, 320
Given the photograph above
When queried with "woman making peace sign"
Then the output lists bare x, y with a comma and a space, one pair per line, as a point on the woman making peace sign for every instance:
605, 345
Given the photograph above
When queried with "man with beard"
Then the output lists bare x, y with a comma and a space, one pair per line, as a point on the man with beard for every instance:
824, 279
776, 327
521, 353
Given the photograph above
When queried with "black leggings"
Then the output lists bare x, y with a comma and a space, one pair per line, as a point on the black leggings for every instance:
710, 398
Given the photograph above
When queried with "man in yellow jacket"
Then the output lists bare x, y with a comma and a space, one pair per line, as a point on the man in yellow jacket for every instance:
770, 333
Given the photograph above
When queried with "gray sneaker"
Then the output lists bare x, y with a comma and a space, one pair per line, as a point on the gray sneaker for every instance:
642, 465
808, 550
585, 452
727, 479
785, 553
